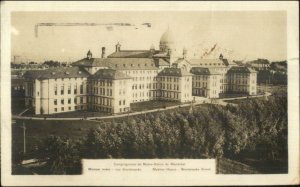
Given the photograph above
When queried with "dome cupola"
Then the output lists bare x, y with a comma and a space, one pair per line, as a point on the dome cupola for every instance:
166, 41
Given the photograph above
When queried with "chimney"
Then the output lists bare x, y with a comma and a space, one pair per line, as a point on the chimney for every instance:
118, 47
103, 52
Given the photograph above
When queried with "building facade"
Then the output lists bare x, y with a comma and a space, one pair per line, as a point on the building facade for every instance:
109, 91
174, 84
110, 84
206, 82
56, 90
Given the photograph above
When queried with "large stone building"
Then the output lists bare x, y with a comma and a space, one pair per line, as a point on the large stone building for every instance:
56, 90
111, 83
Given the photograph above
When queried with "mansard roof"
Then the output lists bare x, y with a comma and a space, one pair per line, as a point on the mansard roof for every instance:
109, 74
92, 62
132, 63
53, 73
203, 71
174, 72
208, 62
118, 63
132, 54
240, 69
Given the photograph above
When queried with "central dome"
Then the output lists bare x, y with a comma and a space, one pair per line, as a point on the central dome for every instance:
167, 37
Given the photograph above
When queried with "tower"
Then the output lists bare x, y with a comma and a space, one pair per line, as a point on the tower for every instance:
118, 47
184, 53
221, 57
89, 54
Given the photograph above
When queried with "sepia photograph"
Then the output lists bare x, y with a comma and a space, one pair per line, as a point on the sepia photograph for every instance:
207, 85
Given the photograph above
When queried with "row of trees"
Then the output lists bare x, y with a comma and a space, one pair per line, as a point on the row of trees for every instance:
271, 77
255, 129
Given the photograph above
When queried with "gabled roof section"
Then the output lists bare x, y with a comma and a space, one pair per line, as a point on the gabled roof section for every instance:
174, 72
53, 73
203, 71
240, 69
162, 62
132, 54
109, 74
161, 55
92, 62
181, 60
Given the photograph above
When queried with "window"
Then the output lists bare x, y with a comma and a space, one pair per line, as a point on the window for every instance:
124, 102
55, 109
69, 101
62, 101
81, 99
69, 108
120, 102
75, 100
55, 90
55, 101
81, 89
69, 89
62, 90
62, 109
75, 89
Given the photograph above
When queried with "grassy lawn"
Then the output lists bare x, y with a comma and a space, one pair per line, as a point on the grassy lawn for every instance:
239, 101
17, 105
227, 166
155, 104
271, 167
74, 114
37, 130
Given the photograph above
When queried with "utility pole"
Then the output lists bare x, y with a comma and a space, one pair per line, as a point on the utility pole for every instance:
24, 135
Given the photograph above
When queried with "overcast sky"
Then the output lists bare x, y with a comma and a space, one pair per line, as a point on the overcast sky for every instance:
240, 35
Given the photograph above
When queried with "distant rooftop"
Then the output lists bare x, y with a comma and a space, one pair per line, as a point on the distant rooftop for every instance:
132, 54
118, 63
240, 69
174, 72
61, 72
203, 71
109, 74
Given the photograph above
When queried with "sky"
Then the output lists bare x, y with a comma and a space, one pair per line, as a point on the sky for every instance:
240, 35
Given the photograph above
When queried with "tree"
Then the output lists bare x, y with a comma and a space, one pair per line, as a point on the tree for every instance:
62, 156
